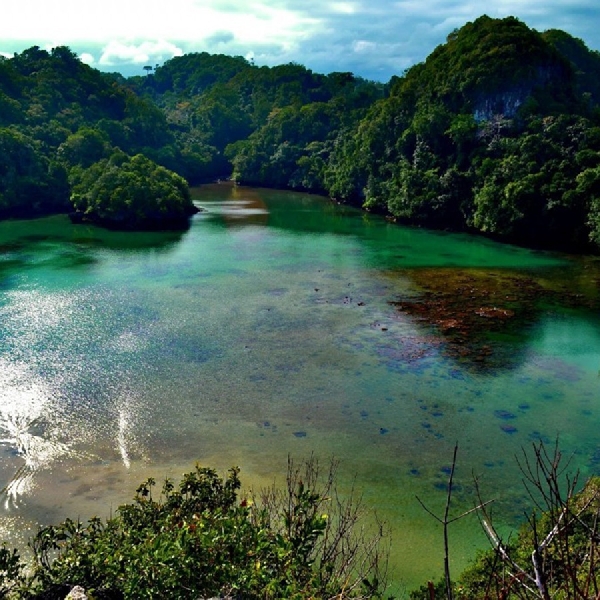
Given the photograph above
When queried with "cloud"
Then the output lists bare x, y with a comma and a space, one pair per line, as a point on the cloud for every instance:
74, 21
87, 58
117, 53
372, 38
348, 8
220, 37
362, 46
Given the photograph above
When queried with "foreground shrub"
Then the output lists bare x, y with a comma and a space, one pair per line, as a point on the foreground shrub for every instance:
199, 540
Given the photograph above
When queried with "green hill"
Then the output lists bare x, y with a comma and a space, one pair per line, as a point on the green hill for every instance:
496, 132
490, 134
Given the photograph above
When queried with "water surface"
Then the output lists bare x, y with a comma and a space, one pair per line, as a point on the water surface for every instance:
279, 324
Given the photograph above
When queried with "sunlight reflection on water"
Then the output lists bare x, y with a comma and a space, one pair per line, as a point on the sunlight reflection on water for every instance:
122, 438
53, 384
27, 427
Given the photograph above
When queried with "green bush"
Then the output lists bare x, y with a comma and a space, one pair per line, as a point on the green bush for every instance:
198, 539
130, 193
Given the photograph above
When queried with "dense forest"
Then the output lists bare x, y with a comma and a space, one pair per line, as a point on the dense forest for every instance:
497, 132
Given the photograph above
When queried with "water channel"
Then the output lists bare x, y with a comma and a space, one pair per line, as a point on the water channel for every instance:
283, 324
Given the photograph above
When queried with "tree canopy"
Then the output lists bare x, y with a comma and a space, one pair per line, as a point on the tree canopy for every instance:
496, 132
130, 193
490, 134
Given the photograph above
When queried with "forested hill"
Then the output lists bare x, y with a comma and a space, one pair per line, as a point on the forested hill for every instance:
64, 124
60, 121
214, 104
498, 131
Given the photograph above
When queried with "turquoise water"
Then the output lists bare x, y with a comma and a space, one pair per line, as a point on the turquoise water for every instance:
264, 330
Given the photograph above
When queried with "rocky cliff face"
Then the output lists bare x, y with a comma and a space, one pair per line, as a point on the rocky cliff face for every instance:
550, 80
506, 104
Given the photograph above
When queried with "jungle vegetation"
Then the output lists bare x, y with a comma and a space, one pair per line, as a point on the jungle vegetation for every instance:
198, 538
496, 132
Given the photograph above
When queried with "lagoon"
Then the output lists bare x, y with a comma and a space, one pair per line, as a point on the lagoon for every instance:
284, 324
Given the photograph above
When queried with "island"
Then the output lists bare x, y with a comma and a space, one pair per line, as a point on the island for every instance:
131, 193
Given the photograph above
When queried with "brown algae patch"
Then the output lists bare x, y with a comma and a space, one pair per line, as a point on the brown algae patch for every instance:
471, 307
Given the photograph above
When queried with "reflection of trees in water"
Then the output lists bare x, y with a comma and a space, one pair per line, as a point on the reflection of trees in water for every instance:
72, 246
79, 252
291, 211
484, 316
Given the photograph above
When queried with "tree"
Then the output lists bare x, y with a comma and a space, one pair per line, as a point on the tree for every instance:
556, 552
29, 182
131, 193
84, 148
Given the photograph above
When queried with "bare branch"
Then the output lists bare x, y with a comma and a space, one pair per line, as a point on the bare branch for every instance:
428, 511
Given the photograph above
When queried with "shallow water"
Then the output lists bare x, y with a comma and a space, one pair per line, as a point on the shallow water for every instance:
267, 329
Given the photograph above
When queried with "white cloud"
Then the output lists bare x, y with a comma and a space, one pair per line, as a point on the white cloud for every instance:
117, 53
363, 46
70, 21
87, 58
348, 8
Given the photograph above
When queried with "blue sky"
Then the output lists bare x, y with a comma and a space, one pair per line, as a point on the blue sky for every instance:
372, 38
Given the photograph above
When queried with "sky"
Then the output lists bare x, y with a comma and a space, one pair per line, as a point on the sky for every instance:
374, 39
